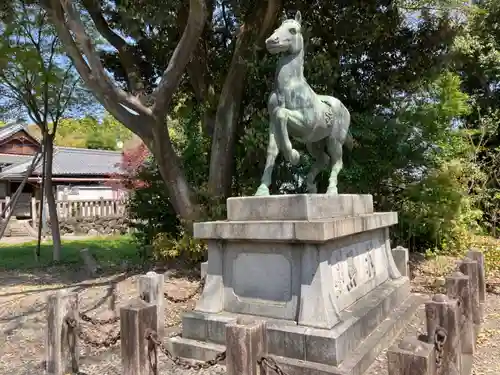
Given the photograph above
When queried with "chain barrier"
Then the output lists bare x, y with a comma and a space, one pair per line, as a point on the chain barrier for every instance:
110, 340
440, 337
154, 341
187, 298
270, 364
98, 322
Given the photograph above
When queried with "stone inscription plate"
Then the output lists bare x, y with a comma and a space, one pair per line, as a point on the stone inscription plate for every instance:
356, 269
262, 276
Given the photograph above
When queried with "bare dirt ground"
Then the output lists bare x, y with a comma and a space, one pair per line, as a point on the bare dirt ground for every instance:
22, 318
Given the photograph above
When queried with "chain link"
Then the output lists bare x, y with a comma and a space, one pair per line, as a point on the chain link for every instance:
152, 337
110, 340
188, 297
271, 364
98, 322
440, 337
71, 338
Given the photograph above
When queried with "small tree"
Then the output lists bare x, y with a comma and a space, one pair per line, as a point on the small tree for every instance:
38, 81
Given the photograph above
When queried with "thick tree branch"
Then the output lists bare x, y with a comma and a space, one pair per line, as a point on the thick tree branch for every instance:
180, 58
61, 105
47, 72
127, 58
55, 11
75, 24
197, 66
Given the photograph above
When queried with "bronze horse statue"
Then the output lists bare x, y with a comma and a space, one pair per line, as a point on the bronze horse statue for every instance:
320, 121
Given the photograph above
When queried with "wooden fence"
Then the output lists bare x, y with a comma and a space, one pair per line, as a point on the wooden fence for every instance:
453, 322
68, 209
87, 208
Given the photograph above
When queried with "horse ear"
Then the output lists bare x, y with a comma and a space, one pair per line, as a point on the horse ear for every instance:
283, 17
298, 17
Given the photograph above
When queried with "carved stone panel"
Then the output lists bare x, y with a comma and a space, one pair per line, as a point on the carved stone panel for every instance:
357, 267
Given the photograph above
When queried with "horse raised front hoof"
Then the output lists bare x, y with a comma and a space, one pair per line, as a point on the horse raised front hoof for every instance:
295, 157
262, 191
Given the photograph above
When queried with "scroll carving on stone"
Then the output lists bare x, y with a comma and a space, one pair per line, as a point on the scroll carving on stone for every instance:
351, 272
370, 267
338, 281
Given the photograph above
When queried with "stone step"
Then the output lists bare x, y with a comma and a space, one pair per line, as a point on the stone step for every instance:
193, 349
360, 359
18, 231
286, 338
334, 346
357, 363
19, 228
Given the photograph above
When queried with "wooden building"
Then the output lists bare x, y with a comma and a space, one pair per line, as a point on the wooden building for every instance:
78, 174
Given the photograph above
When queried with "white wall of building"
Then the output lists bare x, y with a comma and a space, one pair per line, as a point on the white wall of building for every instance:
87, 193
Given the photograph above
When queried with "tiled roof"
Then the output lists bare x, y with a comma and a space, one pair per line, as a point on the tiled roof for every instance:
14, 159
70, 161
11, 128
82, 161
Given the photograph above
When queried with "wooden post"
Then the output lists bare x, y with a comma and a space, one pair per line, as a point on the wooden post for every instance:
470, 268
64, 207
151, 291
244, 344
458, 287
101, 208
33, 212
411, 357
442, 316
135, 319
61, 347
7, 200
478, 256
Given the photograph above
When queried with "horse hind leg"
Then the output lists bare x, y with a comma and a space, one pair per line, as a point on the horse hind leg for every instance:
317, 151
334, 149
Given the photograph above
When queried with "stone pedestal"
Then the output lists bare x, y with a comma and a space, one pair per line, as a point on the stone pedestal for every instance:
317, 268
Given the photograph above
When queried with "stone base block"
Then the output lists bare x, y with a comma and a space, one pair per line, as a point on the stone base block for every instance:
366, 328
298, 207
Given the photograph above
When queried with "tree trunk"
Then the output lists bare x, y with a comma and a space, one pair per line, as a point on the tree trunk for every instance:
254, 30
181, 195
49, 195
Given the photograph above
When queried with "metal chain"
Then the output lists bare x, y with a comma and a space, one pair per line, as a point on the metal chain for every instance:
271, 364
185, 299
98, 322
152, 337
440, 337
71, 338
110, 340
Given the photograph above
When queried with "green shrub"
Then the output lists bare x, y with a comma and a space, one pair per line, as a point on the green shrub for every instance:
183, 246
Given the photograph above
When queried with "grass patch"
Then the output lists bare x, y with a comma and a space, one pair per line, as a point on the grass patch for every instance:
109, 252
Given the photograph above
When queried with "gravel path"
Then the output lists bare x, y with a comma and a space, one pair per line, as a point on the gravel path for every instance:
22, 320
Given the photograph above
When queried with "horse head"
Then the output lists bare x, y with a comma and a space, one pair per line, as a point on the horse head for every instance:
287, 38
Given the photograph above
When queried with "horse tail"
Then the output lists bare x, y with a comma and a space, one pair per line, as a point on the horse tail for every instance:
349, 141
